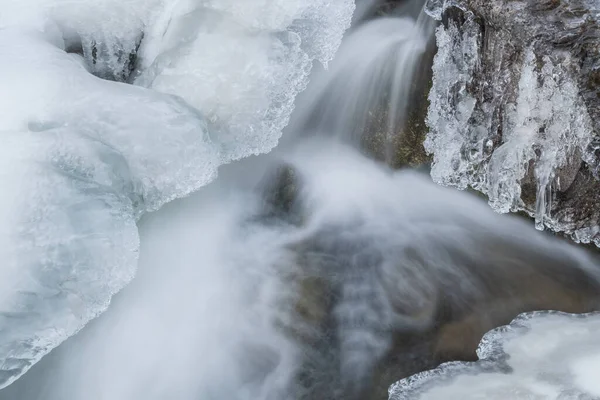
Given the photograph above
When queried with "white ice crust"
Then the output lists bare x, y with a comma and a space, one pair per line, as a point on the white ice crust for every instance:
83, 158
541, 355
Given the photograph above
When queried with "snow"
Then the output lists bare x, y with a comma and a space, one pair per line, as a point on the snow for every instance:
540, 355
84, 156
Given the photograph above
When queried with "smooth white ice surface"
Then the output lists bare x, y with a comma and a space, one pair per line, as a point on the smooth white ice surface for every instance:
540, 355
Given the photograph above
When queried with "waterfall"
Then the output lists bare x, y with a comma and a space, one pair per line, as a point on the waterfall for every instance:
364, 98
225, 265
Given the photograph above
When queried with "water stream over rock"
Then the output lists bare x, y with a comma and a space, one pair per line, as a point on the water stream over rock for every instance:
317, 271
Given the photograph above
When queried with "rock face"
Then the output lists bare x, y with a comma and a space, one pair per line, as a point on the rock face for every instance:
515, 107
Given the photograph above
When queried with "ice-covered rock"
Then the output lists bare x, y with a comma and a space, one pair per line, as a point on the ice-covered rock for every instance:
106, 33
515, 107
83, 158
541, 355
242, 64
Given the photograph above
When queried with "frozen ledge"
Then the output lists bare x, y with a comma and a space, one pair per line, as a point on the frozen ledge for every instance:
540, 355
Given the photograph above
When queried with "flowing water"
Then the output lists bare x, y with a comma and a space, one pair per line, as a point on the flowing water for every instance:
315, 272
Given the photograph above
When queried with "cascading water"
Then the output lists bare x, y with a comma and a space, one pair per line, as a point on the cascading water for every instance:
309, 273
369, 85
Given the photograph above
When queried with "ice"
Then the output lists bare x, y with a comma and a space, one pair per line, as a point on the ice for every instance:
84, 157
106, 32
435, 8
317, 23
546, 125
541, 355
451, 105
246, 85
192, 322
510, 112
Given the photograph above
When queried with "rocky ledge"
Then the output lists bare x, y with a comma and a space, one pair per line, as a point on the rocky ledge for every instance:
515, 107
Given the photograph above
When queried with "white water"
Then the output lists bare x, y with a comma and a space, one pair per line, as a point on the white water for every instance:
218, 281
370, 81
214, 310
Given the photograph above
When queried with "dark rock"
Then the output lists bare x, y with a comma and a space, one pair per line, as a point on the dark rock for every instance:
280, 188
110, 60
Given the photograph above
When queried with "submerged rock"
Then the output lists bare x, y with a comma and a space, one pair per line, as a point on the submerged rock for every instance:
515, 107
369, 305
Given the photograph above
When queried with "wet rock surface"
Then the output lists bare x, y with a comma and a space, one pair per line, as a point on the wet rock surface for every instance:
405, 147
515, 107
467, 295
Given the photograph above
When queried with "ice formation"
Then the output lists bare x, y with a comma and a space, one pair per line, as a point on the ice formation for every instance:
229, 304
245, 85
513, 105
83, 157
195, 325
541, 355
451, 106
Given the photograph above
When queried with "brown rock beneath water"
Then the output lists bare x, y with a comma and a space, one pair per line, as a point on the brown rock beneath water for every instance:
517, 279
457, 335
524, 281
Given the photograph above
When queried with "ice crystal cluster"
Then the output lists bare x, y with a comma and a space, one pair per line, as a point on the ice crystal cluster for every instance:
112, 108
515, 106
